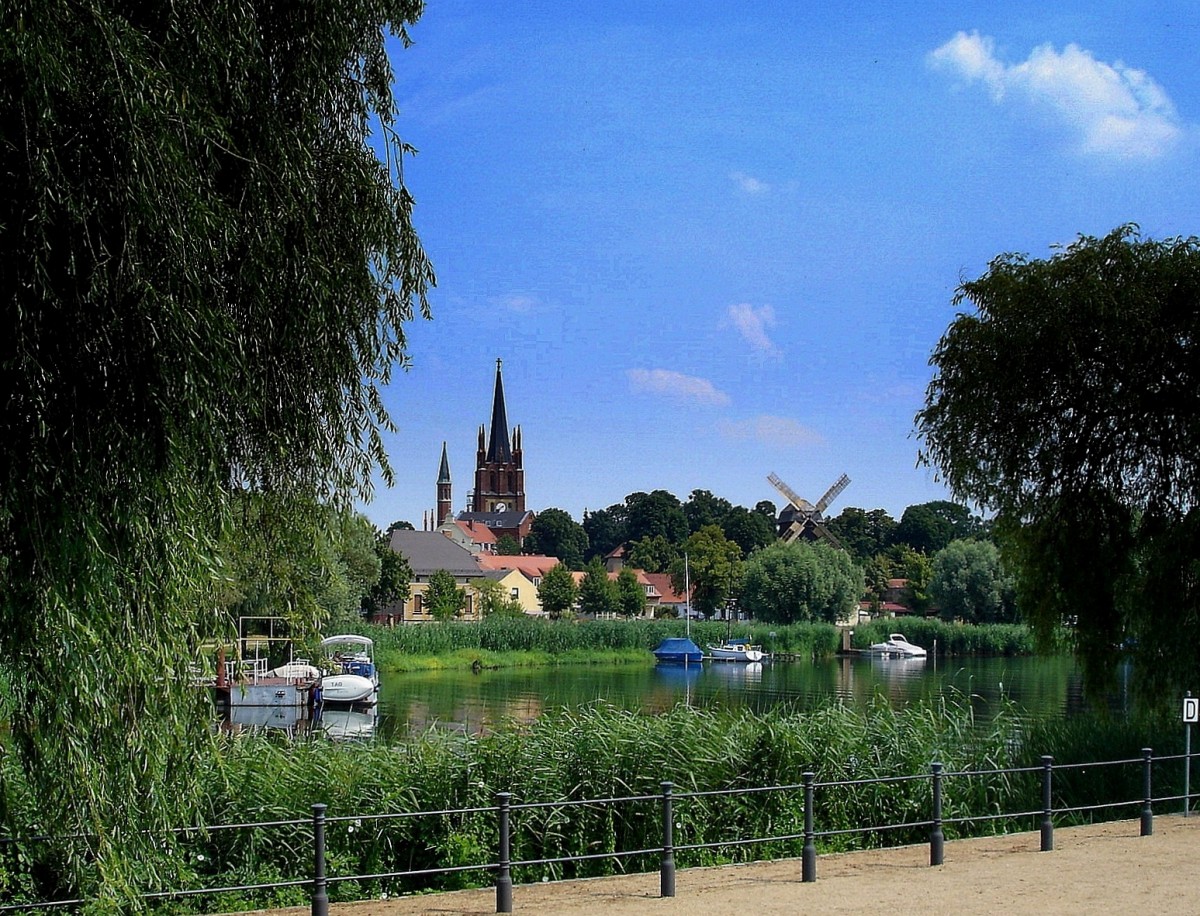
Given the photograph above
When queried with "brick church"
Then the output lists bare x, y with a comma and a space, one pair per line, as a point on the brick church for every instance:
497, 502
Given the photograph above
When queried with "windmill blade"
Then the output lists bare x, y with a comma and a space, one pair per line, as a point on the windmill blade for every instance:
802, 504
825, 534
832, 493
793, 532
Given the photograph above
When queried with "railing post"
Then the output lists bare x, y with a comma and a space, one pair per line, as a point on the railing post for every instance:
666, 870
320, 890
1187, 766
1047, 804
504, 859
808, 862
937, 842
1148, 805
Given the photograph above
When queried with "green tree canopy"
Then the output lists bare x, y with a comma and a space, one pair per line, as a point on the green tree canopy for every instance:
969, 583
631, 595
714, 569
703, 508
655, 513
207, 272
864, 533
653, 554
555, 534
749, 530
557, 592
597, 592
508, 546
443, 596
494, 601
1065, 401
928, 527
605, 529
395, 578
800, 581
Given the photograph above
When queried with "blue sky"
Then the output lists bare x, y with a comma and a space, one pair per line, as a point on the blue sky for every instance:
710, 242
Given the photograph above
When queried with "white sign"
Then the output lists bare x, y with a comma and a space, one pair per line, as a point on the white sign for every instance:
1191, 709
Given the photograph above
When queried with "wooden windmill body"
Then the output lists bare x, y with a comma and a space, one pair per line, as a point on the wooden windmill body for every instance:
807, 521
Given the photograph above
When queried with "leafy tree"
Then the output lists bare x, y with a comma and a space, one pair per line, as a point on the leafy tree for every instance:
703, 508
597, 592
929, 527
766, 508
655, 513
443, 596
714, 569
1063, 401
970, 583
863, 533
800, 581
400, 525
557, 592
207, 271
654, 554
631, 595
555, 534
749, 530
605, 529
495, 602
508, 546
917, 568
395, 579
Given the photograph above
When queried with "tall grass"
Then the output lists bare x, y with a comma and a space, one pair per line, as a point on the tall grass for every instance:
601, 752
956, 639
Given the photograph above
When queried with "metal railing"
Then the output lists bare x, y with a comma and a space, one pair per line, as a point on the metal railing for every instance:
667, 802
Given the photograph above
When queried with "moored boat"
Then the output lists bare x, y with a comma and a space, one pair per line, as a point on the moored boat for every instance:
356, 679
737, 650
678, 651
896, 646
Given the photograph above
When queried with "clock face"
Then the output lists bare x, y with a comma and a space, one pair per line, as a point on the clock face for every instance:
500, 507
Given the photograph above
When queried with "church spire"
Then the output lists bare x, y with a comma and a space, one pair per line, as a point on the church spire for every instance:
445, 501
499, 449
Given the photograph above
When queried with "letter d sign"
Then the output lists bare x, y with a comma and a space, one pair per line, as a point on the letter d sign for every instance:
1191, 709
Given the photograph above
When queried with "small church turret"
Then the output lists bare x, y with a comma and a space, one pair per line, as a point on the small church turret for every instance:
445, 501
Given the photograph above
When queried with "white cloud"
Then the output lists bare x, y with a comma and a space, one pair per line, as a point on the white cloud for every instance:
748, 183
752, 324
517, 303
1115, 110
775, 432
676, 385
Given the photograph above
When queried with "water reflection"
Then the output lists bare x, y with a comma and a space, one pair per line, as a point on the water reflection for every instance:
476, 703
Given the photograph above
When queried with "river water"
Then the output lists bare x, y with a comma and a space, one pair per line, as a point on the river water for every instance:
477, 702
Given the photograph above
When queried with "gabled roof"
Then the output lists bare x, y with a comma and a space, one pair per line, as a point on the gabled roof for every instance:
478, 532
511, 518
532, 566
662, 582
429, 551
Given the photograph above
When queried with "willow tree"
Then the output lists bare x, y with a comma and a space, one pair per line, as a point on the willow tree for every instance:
205, 269
1068, 401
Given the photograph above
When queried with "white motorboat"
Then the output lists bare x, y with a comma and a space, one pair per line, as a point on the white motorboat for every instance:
737, 650
896, 646
347, 688
355, 678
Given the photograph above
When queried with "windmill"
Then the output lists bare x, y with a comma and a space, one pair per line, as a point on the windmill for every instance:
805, 519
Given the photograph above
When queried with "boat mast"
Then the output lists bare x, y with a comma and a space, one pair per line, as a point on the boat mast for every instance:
687, 596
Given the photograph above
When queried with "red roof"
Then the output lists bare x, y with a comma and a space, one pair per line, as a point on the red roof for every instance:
533, 566
662, 583
477, 532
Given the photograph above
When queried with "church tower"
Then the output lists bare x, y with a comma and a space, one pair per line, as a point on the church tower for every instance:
499, 471
445, 503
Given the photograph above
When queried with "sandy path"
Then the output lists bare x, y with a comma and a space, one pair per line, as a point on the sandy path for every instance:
1106, 868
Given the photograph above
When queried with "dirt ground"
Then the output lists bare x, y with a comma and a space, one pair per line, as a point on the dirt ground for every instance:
1106, 868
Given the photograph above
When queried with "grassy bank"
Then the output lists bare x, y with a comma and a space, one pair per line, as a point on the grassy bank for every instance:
527, 642
599, 752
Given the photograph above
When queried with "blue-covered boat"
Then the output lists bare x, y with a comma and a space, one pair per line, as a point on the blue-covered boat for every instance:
678, 651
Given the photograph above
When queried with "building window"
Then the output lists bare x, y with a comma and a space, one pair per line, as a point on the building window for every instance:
514, 593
